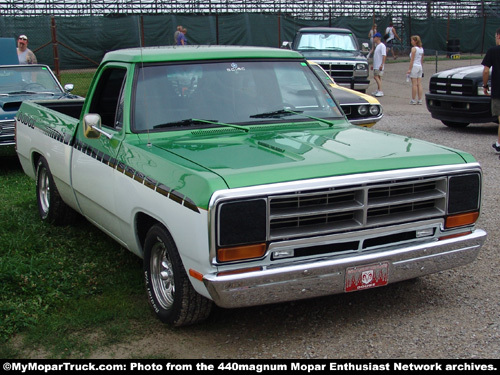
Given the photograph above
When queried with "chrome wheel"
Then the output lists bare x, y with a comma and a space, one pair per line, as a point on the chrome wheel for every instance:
44, 192
169, 289
162, 275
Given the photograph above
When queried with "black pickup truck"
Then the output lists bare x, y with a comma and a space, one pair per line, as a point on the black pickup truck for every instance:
456, 97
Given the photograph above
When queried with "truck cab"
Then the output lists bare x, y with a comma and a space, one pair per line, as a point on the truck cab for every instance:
337, 51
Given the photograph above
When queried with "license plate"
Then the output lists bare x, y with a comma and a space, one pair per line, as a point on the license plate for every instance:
366, 277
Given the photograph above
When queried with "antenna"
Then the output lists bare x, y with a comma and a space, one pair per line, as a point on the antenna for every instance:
141, 46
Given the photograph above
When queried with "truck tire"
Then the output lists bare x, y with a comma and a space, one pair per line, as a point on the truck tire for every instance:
169, 290
453, 124
51, 207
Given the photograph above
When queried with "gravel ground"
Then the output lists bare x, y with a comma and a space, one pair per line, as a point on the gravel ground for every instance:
452, 314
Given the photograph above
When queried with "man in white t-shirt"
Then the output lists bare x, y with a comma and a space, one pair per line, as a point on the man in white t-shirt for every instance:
379, 56
25, 55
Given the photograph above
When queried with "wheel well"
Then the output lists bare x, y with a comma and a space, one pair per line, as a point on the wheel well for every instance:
35, 158
143, 224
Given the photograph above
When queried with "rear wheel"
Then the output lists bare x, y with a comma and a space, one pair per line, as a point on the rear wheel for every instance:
51, 207
453, 124
170, 292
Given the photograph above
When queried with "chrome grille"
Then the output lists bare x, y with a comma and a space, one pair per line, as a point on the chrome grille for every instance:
339, 70
7, 131
357, 207
451, 86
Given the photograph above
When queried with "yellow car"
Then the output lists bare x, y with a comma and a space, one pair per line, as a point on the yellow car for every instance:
360, 109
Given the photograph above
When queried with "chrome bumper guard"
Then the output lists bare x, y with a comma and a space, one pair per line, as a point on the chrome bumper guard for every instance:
300, 280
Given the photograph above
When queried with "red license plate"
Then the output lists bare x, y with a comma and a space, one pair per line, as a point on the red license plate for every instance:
365, 277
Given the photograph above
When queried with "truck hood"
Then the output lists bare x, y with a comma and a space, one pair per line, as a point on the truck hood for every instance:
471, 72
263, 157
333, 55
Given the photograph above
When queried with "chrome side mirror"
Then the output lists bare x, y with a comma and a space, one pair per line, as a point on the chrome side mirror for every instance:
91, 125
286, 45
69, 87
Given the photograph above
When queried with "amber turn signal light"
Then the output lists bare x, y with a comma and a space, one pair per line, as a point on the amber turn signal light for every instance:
195, 274
461, 219
231, 254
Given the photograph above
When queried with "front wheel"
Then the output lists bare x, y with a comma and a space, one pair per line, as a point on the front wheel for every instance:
453, 124
169, 290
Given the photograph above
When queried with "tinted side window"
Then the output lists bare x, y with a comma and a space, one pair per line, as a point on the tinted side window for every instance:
106, 100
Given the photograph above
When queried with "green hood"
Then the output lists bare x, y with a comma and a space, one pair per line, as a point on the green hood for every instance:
263, 157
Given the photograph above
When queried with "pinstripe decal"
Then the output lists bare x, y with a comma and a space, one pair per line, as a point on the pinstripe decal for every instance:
136, 175
100, 156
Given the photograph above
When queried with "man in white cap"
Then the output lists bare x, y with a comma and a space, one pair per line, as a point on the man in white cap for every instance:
25, 55
379, 57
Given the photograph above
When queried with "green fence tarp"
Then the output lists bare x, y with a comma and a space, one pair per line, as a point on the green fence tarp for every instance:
83, 41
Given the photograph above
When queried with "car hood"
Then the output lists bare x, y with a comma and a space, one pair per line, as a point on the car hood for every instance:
333, 55
347, 96
263, 157
471, 72
9, 105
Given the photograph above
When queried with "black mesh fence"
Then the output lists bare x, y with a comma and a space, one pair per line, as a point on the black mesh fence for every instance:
74, 45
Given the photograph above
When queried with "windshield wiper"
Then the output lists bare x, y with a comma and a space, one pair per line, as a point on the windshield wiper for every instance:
30, 92
286, 112
195, 121
276, 114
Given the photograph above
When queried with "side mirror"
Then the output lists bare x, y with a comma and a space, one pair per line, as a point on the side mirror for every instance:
365, 49
91, 124
69, 87
286, 45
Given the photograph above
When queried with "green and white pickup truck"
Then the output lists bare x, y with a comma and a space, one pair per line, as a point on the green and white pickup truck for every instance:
236, 177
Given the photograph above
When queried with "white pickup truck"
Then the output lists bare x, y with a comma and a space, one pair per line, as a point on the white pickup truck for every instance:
234, 174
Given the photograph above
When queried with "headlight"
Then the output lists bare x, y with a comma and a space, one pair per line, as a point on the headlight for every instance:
361, 67
464, 192
363, 110
374, 110
241, 230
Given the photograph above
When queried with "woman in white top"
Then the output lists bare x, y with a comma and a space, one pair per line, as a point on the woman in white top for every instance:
415, 71
390, 35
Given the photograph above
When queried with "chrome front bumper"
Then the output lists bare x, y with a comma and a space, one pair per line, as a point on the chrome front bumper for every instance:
301, 280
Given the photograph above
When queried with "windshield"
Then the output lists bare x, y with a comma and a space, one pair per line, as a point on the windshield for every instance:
327, 41
27, 80
228, 93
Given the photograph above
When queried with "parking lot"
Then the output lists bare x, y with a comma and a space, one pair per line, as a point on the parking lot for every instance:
452, 314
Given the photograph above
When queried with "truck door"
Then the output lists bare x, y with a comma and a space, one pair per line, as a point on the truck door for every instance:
94, 166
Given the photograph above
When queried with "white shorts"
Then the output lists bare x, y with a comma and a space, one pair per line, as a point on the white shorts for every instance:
377, 72
416, 71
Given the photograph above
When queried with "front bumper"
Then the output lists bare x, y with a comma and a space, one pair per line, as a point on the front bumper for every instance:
367, 121
300, 280
455, 108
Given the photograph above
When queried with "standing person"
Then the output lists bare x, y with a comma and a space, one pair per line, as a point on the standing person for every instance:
181, 38
24, 54
379, 57
492, 61
391, 33
372, 32
177, 32
415, 71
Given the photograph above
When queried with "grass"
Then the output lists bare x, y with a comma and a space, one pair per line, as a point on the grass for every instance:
80, 79
59, 284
